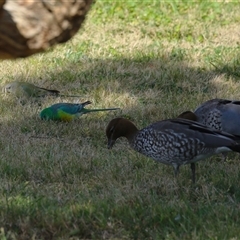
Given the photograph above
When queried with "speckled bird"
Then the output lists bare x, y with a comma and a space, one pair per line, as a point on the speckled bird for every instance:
220, 114
174, 141
68, 111
191, 116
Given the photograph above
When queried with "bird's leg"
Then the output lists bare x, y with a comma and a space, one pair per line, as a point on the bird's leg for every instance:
176, 170
193, 172
224, 157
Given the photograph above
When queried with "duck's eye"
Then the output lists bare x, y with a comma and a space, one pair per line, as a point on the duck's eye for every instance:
111, 129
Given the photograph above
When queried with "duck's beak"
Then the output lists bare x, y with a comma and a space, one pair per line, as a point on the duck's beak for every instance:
110, 143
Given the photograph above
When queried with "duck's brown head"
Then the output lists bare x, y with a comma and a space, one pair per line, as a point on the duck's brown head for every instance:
120, 127
188, 115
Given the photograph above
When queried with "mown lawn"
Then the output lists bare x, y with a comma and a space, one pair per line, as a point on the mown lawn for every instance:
153, 60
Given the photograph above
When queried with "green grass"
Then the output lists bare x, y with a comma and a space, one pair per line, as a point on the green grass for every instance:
153, 60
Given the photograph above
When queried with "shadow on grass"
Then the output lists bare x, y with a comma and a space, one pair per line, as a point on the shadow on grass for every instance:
231, 69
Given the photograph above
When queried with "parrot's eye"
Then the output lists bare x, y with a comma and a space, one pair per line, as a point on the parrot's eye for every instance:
43, 116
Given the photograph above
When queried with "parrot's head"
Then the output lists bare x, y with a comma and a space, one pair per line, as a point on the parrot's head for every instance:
10, 87
46, 114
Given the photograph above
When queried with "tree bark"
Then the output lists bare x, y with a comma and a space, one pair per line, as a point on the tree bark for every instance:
31, 26
1, 4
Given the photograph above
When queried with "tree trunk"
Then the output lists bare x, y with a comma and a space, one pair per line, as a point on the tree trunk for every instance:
31, 26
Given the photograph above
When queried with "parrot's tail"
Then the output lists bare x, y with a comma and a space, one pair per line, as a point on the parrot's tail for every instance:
85, 103
52, 92
73, 96
100, 109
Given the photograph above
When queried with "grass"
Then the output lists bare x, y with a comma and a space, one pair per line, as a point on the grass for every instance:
153, 60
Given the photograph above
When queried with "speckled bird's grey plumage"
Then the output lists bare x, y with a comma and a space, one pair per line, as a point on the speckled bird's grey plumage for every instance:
220, 114
171, 142
168, 147
174, 141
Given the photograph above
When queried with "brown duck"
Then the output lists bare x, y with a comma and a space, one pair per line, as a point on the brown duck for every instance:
174, 141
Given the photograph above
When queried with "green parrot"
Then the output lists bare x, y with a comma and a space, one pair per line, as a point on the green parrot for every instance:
68, 111
25, 89
28, 90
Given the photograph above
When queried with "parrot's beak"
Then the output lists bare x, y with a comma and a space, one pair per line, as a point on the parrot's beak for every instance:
110, 143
